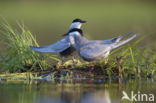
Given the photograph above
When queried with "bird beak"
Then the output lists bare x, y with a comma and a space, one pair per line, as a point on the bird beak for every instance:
65, 34
83, 21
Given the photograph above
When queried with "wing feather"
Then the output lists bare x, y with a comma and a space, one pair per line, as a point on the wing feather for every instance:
57, 47
94, 51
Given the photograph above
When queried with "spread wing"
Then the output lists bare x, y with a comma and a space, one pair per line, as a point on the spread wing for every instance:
57, 47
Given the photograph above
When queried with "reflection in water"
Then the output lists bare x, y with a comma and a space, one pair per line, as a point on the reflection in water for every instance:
69, 92
76, 93
97, 97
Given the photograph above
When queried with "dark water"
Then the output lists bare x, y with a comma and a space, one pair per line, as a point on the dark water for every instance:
71, 91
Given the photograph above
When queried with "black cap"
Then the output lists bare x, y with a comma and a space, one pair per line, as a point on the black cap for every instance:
79, 20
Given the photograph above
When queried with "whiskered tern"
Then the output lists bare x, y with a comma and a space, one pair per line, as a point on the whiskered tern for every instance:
63, 46
91, 50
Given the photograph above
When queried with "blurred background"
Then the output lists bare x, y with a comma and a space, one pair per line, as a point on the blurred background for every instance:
48, 19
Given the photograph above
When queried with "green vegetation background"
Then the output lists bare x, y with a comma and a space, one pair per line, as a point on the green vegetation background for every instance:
106, 18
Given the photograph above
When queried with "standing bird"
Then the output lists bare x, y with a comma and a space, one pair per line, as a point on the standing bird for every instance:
91, 50
63, 46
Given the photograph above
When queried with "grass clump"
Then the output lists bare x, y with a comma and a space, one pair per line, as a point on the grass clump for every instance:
16, 55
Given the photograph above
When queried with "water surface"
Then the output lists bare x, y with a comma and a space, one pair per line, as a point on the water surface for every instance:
72, 91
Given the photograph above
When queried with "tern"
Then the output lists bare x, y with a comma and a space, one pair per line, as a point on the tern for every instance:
91, 50
63, 46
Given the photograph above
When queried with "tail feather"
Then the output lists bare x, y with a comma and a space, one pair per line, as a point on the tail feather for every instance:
120, 43
128, 34
121, 36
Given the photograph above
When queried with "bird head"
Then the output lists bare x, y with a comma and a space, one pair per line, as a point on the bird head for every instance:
76, 23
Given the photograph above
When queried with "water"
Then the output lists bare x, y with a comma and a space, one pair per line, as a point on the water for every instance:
72, 91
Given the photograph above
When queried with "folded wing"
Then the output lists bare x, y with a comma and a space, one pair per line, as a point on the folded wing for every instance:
94, 51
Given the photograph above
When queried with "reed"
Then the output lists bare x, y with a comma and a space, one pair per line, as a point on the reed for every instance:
16, 55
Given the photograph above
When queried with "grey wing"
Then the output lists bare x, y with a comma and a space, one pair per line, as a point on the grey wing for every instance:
94, 51
57, 47
113, 40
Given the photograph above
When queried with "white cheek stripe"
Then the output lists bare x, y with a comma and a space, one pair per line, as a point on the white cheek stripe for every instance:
75, 25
